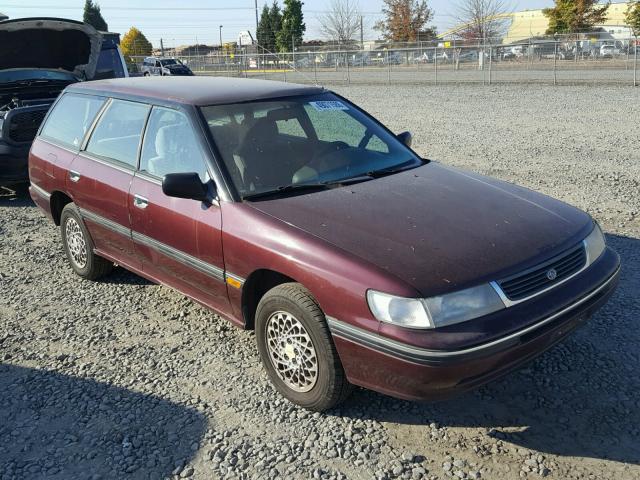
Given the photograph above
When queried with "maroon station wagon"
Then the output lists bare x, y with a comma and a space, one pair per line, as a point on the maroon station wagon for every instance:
289, 210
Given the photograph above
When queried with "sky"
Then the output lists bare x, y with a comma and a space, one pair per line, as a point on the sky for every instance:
189, 21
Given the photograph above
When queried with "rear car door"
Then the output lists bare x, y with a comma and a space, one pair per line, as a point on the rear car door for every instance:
179, 240
101, 175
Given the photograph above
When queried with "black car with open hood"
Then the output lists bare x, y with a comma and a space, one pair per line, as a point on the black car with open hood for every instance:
39, 57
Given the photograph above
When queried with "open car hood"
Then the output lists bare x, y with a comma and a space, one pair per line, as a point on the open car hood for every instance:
51, 44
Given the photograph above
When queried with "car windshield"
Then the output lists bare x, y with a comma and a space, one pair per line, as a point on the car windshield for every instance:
168, 62
269, 146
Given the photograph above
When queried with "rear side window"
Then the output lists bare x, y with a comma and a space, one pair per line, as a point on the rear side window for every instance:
70, 119
117, 134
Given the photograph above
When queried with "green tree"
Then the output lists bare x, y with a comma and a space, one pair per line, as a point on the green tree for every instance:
93, 17
404, 19
135, 44
276, 25
293, 26
268, 27
264, 33
632, 17
575, 16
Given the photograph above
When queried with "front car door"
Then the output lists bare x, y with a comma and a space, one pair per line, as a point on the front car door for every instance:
178, 240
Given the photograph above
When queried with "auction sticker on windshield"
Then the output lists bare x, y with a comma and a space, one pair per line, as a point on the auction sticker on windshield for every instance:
329, 105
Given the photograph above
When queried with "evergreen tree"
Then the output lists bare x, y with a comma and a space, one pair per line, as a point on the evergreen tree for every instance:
264, 33
93, 17
276, 25
293, 26
575, 16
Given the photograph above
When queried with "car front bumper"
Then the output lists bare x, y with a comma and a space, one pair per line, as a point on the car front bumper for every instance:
407, 371
13, 164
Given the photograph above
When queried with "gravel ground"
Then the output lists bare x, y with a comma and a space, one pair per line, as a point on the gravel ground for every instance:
124, 379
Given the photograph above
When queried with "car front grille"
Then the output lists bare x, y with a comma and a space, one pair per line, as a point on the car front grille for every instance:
543, 276
24, 125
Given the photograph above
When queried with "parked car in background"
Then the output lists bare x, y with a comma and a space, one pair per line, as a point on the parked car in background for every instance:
152, 66
609, 51
288, 210
45, 55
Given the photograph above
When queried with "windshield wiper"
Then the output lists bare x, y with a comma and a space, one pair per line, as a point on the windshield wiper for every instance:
391, 170
294, 187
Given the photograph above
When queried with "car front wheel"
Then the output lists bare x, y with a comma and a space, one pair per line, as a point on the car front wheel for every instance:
79, 247
297, 350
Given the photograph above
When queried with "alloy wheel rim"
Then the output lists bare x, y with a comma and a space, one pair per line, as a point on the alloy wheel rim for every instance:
76, 243
291, 352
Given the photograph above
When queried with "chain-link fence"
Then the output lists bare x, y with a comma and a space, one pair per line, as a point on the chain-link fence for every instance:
552, 60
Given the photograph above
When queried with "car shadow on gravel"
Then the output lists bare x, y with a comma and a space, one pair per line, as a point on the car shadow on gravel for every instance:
579, 399
17, 198
62, 427
122, 276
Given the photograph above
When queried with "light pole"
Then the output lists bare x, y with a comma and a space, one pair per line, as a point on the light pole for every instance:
221, 52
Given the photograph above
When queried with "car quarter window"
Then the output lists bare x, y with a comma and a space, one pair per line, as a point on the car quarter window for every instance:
170, 145
71, 118
117, 134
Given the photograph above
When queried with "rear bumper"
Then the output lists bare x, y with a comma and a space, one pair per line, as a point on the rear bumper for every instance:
13, 164
409, 372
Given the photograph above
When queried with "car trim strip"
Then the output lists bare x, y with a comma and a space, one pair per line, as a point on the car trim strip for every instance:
177, 255
180, 256
105, 222
424, 356
43, 193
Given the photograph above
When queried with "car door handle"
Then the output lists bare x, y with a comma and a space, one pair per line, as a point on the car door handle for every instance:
74, 176
140, 202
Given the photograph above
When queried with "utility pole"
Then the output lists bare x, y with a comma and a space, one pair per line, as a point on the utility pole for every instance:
161, 48
361, 35
220, 37
256, 3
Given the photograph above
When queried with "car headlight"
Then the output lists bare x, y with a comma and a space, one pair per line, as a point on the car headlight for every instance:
166, 70
437, 311
594, 244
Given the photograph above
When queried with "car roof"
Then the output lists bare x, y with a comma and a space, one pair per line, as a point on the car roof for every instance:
195, 90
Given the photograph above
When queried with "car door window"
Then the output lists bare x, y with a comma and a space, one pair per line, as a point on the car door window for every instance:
117, 135
170, 146
71, 118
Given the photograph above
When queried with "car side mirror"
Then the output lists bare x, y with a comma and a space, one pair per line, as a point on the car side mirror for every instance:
406, 138
185, 185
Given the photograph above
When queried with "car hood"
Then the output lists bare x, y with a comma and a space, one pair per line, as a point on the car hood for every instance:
437, 228
51, 44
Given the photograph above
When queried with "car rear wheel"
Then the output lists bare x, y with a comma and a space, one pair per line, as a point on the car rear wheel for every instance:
296, 348
79, 247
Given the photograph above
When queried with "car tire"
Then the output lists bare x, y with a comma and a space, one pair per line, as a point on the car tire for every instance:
146, 74
79, 247
323, 383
